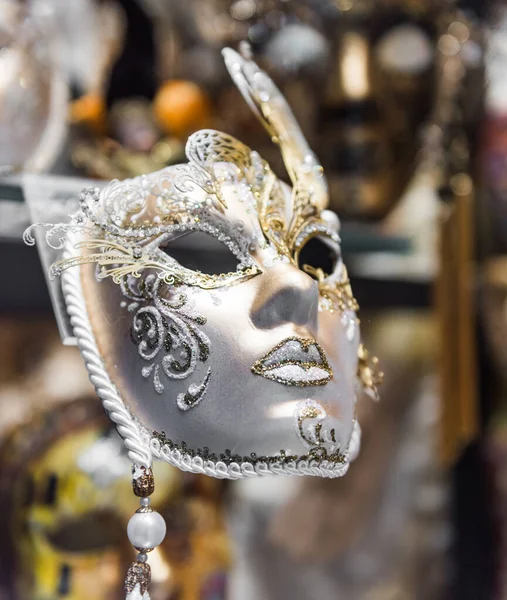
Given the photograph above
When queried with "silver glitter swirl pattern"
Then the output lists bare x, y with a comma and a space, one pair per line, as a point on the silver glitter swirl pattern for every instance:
168, 336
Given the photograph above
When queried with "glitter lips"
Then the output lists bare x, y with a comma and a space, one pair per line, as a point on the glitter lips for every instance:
295, 361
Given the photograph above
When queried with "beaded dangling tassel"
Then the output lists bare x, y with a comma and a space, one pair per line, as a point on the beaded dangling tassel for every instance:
138, 579
146, 530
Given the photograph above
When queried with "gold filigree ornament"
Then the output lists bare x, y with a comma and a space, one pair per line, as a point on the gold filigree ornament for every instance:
311, 426
368, 372
335, 295
117, 224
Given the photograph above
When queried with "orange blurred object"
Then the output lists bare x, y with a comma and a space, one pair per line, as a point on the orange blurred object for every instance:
181, 107
89, 110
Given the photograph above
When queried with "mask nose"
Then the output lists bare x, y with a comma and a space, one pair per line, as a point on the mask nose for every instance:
351, 114
285, 295
350, 82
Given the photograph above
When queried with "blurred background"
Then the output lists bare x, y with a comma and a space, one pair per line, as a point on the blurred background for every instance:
405, 104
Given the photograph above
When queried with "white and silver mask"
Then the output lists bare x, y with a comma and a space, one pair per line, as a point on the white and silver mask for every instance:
241, 373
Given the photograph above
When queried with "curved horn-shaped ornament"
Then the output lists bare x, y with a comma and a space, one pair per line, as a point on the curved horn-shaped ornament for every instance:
272, 110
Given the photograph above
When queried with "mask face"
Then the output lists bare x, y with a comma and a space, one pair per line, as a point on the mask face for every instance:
68, 546
379, 94
251, 368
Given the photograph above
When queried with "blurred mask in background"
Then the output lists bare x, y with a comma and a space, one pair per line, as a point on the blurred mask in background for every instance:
66, 496
362, 78
33, 92
378, 96
66, 492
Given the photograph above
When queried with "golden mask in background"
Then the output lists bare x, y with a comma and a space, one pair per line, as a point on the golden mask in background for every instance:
66, 498
67, 495
378, 95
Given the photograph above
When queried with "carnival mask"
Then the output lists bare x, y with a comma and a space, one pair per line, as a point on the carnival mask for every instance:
246, 371
379, 94
243, 372
65, 482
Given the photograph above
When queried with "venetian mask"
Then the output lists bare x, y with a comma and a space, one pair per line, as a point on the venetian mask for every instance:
370, 83
380, 92
246, 370
65, 483
65, 497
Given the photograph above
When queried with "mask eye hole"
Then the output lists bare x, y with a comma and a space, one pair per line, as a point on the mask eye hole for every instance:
405, 49
202, 253
91, 532
318, 254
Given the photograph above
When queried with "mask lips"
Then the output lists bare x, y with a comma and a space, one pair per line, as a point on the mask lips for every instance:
295, 361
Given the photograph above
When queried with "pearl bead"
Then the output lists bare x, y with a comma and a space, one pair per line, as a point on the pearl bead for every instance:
146, 530
145, 502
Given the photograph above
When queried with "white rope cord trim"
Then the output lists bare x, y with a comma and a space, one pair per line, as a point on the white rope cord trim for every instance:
140, 447
221, 470
137, 448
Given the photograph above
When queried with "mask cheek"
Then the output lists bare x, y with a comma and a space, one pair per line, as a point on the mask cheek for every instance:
342, 409
342, 355
340, 335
